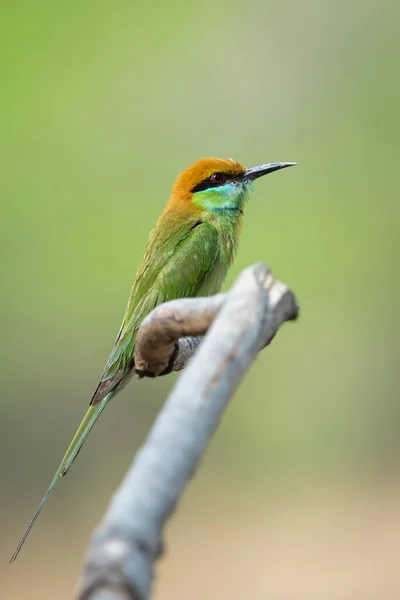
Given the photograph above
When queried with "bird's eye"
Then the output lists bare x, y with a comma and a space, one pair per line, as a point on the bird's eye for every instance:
218, 178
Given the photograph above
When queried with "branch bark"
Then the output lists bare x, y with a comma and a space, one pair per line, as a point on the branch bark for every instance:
124, 548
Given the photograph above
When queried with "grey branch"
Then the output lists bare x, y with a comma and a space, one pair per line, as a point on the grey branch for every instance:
125, 546
162, 344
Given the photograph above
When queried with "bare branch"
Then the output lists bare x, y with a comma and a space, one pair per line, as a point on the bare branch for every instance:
162, 336
125, 546
165, 341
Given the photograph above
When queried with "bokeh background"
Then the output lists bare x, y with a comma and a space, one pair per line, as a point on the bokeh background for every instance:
102, 104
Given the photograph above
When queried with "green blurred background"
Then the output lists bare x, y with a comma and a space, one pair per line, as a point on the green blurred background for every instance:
102, 104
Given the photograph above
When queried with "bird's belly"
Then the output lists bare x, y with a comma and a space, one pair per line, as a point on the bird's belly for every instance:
214, 280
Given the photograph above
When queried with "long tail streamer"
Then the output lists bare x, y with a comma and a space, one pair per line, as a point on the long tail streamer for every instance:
93, 413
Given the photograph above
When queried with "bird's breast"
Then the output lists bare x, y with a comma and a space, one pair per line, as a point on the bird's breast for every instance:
228, 238
215, 278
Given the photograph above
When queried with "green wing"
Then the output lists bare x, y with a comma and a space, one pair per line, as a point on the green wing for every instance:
175, 265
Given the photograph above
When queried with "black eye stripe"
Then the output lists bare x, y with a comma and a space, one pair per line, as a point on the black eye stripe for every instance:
207, 184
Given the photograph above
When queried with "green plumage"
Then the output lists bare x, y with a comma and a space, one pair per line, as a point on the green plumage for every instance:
187, 260
188, 254
180, 260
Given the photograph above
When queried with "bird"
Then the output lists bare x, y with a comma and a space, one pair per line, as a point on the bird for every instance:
188, 254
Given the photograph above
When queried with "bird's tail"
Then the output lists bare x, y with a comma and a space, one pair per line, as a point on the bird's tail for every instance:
90, 418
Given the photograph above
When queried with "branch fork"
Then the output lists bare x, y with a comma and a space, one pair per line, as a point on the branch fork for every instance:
232, 328
171, 333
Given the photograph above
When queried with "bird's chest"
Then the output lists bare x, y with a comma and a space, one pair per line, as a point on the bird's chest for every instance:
215, 278
227, 245
229, 240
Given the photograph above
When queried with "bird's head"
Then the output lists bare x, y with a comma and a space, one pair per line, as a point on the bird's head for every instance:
215, 184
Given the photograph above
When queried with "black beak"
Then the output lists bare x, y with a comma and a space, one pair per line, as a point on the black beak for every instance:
256, 172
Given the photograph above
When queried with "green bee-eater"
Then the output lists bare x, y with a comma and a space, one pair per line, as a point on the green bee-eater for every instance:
188, 254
